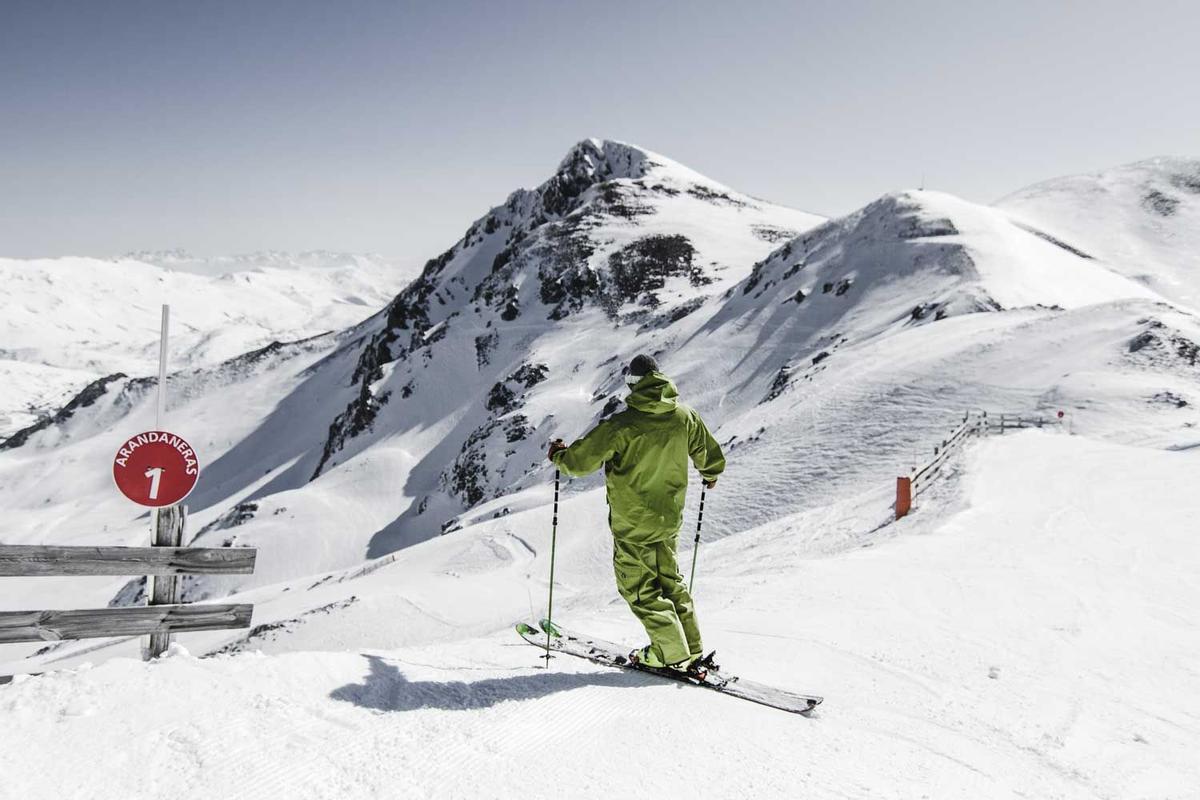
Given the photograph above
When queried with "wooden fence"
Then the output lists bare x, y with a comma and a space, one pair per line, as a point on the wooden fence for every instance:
161, 564
973, 424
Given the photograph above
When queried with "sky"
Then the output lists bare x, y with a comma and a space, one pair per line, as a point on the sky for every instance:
389, 127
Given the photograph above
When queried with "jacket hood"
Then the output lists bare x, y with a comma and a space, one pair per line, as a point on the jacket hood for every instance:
654, 394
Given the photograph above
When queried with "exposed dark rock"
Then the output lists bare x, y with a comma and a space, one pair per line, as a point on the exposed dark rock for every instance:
673, 315
484, 345
792, 270
1187, 181
1169, 398
1143, 340
269, 631
779, 384
756, 275
133, 593
502, 258
923, 310
1052, 240
620, 202
530, 375
517, 428
612, 406
512, 307
240, 514
713, 196
913, 226
1161, 344
469, 475
1162, 204
86, 397
501, 399
640, 269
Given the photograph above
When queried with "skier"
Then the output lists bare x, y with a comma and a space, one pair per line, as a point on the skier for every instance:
644, 451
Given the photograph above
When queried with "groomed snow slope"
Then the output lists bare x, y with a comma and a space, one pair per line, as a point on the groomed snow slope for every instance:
1022, 635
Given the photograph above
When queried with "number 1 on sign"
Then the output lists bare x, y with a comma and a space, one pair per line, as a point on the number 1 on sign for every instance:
155, 475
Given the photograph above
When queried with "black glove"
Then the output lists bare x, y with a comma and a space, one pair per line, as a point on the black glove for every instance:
555, 446
710, 484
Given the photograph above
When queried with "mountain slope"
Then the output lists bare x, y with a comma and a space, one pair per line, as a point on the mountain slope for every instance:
70, 321
1141, 219
421, 411
619, 239
824, 363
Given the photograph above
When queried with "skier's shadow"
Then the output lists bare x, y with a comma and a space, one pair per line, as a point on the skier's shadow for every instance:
386, 689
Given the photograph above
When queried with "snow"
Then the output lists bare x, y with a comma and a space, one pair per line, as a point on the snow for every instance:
1142, 219
69, 321
1002, 642
1028, 631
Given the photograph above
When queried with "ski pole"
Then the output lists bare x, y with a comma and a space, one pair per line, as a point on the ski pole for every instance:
553, 545
696, 546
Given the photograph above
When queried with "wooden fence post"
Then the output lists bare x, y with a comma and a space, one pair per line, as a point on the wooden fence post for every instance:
163, 590
903, 496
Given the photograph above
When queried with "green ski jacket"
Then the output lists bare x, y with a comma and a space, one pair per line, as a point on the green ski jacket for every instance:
644, 451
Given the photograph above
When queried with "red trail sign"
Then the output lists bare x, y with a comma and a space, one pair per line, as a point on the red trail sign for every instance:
156, 469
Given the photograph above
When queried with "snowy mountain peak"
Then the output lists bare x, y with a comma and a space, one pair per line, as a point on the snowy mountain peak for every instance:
618, 236
604, 159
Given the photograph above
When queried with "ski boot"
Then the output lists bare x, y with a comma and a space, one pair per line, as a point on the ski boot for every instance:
645, 657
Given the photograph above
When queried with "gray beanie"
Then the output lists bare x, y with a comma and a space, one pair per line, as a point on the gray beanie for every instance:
640, 367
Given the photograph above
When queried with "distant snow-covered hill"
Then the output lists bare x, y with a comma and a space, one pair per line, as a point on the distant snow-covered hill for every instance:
183, 261
70, 321
1142, 219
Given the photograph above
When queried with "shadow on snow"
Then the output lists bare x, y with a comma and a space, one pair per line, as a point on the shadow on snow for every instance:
386, 689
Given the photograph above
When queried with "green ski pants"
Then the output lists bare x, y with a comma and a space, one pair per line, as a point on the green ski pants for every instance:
648, 578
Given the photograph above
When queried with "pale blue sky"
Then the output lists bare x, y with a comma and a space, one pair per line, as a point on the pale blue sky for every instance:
389, 127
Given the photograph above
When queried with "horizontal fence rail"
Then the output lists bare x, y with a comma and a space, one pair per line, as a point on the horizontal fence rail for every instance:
49, 560
973, 424
921, 478
1002, 422
50, 626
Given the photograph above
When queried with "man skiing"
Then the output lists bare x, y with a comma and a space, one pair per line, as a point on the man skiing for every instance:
644, 450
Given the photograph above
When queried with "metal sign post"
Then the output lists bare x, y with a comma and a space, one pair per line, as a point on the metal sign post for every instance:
169, 521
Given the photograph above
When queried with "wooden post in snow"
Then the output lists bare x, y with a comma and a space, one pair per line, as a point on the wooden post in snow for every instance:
163, 590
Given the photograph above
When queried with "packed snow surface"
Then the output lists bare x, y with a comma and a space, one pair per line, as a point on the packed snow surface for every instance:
1022, 635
